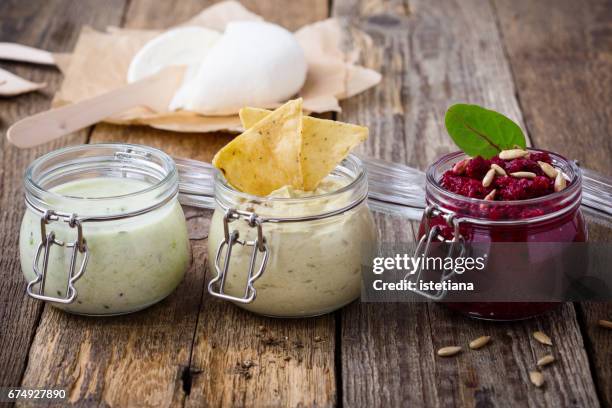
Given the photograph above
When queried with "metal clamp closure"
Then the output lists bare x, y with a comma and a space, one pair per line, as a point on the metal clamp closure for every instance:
47, 241
423, 248
216, 286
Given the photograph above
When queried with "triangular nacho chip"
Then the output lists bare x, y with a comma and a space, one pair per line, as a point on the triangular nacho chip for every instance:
325, 143
266, 156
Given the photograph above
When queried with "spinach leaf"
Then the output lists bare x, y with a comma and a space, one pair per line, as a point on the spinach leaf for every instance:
482, 132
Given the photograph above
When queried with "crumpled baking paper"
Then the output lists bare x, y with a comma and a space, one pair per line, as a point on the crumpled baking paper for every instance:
100, 62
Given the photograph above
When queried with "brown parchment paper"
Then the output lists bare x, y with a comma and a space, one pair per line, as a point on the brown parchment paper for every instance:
100, 62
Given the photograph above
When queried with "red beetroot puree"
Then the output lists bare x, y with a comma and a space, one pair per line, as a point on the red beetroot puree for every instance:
468, 182
526, 198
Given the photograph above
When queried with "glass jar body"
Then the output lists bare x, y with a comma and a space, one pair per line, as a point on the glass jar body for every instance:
314, 267
133, 263
135, 257
565, 230
316, 245
541, 228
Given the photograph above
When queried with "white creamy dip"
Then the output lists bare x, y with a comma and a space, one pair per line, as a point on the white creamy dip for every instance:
134, 262
314, 267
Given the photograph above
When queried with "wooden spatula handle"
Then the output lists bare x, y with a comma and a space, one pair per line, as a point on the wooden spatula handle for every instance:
46, 126
18, 52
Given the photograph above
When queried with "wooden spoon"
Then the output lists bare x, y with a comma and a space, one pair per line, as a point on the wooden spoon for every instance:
154, 91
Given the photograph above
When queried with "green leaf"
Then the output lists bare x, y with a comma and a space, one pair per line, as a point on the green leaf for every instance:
482, 132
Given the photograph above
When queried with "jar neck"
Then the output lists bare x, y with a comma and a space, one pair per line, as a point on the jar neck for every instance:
150, 176
504, 212
349, 177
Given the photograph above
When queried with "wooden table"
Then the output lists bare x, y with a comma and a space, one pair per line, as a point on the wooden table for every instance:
546, 63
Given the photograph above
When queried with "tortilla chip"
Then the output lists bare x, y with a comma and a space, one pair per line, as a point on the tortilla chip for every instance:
266, 156
325, 143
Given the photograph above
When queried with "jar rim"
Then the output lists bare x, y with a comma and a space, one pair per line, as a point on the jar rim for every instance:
33, 186
572, 194
575, 185
360, 177
280, 209
90, 161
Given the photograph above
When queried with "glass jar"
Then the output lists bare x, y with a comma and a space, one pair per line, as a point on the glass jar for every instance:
292, 256
546, 225
103, 232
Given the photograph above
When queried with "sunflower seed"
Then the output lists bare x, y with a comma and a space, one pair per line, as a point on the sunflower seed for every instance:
490, 196
523, 174
536, 378
512, 154
560, 182
548, 169
449, 351
546, 360
542, 338
488, 178
605, 324
459, 167
498, 169
481, 341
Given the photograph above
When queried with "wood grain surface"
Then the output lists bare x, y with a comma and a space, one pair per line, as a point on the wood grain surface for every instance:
560, 52
132, 360
546, 64
561, 57
164, 14
185, 349
432, 54
262, 361
53, 26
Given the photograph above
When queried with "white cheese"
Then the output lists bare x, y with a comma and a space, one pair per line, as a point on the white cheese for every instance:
180, 46
253, 64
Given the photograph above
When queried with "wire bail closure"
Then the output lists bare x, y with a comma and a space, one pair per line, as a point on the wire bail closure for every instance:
423, 247
216, 287
44, 248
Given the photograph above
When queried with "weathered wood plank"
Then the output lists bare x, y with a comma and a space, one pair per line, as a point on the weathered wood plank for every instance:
53, 26
157, 343
133, 360
290, 14
240, 359
197, 146
139, 359
292, 360
599, 345
433, 54
561, 57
